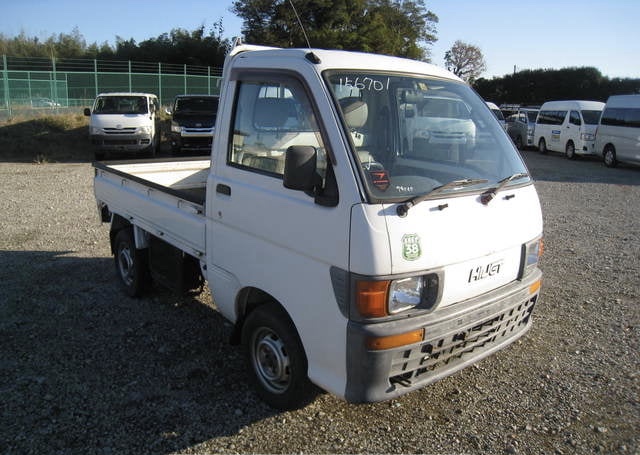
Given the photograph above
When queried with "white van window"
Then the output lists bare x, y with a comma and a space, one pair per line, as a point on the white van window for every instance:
551, 117
591, 117
621, 116
574, 118
121, 104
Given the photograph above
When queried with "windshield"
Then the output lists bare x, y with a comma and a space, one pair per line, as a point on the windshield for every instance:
532, 116
591, 117
498, 114
413, 134
121, 105
197, 104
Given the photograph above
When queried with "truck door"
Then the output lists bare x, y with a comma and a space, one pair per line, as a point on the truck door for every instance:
267, 237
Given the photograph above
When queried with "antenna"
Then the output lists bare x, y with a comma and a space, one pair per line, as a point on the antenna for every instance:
300, 22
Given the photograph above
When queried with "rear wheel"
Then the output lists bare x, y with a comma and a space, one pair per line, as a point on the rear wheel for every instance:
131, 264
542, 146
609, 156
276, 358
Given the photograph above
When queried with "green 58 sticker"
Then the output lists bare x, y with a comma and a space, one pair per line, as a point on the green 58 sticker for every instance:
411, 247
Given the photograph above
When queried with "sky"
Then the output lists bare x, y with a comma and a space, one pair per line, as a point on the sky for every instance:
512, 34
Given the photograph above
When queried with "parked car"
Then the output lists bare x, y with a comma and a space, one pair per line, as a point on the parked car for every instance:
521, 126
44, 102
619, 129
568, 126
193, 119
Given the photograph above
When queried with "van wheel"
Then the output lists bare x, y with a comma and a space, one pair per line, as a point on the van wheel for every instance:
276, 358
609, 155
131, 264
542, 146
519, 142
570, 151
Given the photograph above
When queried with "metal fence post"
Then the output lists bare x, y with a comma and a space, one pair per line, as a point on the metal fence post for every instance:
185, 79
160, 81
95, 76
5, 82
130, 90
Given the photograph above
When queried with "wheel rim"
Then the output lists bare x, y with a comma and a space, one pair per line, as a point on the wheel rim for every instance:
570, 150
125, 265
270, 360
608, 156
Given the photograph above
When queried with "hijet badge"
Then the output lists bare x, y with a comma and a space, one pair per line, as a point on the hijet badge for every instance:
411, 247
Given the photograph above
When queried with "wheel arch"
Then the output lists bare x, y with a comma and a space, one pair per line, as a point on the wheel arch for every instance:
118, 223
247, 300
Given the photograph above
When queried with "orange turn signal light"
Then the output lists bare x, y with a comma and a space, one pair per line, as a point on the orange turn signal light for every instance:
371, 298
394, 341
535, 287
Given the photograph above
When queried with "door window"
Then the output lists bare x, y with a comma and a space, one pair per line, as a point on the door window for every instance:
270, 117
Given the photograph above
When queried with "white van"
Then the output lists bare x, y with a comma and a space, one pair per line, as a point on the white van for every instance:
618, 134
124, 123
568, 126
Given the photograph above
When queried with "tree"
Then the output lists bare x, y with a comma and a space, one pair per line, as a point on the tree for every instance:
394, 27
465, 60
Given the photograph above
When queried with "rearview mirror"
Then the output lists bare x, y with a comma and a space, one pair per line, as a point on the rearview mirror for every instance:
300, 168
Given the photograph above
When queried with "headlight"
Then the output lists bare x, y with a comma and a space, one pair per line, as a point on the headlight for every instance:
95, 130
531, 254
144, 129
405, 293
375, 299
175, 128
588, 137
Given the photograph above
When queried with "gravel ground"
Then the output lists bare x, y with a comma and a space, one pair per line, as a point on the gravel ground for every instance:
84, 369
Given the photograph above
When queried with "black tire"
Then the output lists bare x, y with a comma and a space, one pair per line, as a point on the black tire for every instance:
609, 156
542, 146
519, 143
132, 265
276, 358
570, 150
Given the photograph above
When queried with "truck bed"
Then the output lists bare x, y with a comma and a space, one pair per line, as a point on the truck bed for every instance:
164, 197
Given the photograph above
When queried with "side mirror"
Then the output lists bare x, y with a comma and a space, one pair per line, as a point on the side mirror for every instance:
87, 112
300, 168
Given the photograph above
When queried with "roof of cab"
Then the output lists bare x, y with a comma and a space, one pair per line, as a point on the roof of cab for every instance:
339, 59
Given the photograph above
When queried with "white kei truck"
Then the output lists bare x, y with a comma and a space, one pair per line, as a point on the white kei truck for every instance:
343, 260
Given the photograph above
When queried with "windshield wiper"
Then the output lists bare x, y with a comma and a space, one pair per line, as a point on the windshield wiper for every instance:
404, 208
488, 195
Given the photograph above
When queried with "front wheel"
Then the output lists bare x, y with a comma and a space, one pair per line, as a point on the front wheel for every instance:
570, 151
131, 264
276, 358
609, 155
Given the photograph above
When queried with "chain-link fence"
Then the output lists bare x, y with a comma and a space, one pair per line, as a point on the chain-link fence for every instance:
41, 83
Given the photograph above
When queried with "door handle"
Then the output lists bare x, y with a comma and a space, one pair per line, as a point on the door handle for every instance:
223, 189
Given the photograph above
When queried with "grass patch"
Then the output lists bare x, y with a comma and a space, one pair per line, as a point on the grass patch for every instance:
45, 138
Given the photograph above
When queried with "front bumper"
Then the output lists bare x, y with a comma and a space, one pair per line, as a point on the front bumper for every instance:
455, 337
121, 142
192, 139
